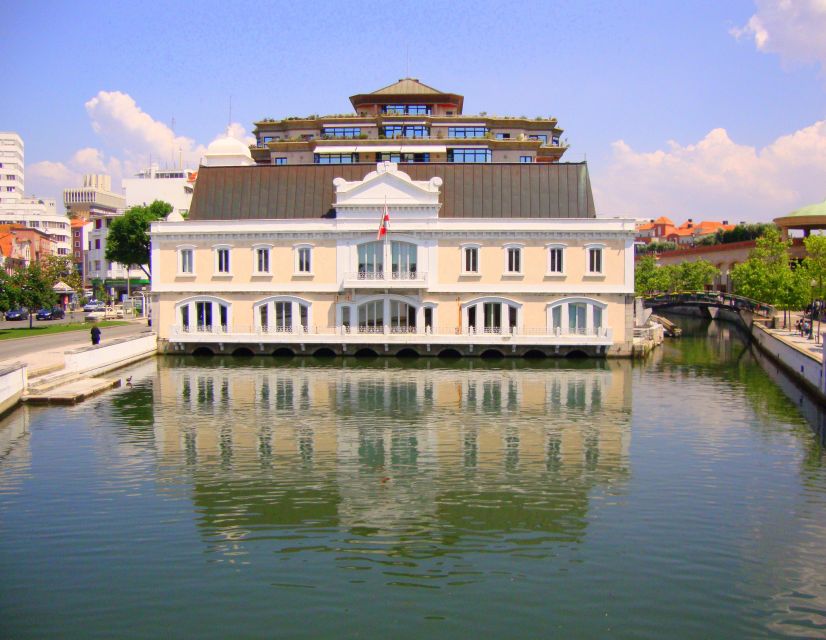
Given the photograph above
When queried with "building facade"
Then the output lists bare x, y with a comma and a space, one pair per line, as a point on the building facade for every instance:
500, 258
170, 185
11, 167
407, 122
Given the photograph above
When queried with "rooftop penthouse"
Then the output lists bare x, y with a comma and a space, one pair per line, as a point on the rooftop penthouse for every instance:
407, 122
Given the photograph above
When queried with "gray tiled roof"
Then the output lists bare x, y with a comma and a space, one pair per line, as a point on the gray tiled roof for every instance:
490, 190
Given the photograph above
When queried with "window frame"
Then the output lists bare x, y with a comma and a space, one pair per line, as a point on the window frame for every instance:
256, 248
508, 248
297, 250
216, 250
180, 249
464, 152
595, 246
470, 246
550, 248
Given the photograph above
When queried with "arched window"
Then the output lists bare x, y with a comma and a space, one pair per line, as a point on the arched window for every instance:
204, 314
282, 314
492, 315
576, 316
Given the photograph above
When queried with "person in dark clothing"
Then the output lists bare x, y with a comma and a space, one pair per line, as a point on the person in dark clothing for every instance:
95, 335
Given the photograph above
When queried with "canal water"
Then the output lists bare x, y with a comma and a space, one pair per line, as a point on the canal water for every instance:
682, 497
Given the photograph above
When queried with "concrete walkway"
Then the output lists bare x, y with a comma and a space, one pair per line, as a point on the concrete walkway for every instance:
810, 346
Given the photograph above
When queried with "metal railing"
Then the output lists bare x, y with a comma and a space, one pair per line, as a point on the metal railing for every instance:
386, 276
715, 298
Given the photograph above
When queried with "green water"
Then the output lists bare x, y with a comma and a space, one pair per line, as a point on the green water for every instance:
683, 497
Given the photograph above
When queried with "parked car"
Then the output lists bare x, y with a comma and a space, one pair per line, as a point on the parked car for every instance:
17, 314
55, 313
94, 305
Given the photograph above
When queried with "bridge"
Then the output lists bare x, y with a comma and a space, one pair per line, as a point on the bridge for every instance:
711, 304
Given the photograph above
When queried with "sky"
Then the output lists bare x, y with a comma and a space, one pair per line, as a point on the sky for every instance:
710, 109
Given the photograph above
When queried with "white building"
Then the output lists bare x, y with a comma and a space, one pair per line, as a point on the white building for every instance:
170, 185
30, 211
11, 167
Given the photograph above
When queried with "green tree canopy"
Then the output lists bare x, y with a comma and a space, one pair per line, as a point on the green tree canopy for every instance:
694, 276
61, 269
31, 287
766, 274
128, 238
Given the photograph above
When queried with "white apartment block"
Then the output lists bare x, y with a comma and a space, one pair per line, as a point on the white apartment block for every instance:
11, 167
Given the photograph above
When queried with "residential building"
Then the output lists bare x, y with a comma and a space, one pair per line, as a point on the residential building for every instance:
689, 233
170, 185
11, 167
502, 258
21, 245
407, 122
86, 205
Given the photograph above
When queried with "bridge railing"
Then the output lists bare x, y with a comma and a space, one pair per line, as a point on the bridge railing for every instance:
713, 298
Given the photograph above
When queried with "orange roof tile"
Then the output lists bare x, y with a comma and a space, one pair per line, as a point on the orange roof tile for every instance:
663, 220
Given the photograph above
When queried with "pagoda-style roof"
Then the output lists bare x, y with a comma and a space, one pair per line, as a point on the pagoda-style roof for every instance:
407, 91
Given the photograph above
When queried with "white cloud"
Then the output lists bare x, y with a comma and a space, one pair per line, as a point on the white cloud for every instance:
793, 29
131, 137
716, 178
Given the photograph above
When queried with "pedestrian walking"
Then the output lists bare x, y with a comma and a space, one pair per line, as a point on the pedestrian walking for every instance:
95, 335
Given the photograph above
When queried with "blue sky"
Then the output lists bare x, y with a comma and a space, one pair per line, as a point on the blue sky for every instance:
704, 109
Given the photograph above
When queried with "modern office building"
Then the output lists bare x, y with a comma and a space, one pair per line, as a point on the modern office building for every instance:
170, 185
407, 122
499, 258
11, 167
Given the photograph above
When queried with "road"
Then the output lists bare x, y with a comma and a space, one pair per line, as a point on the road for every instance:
18, 347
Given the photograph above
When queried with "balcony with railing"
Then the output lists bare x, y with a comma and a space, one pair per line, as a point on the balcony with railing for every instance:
384, 279
388, 334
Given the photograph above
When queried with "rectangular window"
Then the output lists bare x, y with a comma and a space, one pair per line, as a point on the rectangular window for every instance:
468, 155
371, 260
262, 260
503, 136
279, 160
186, 261
335, 158
597, 317
98, 224
77, 244
595, 260
555, 141
304, 265
406, 109
543, 138
223, 260
525, 159
514, 260
185, 317
97, 265
97, 243
402, 157
556, 317
576, 317
341, 132
406, 131
284, 316
471, 260
467, 132
263, 311
555, 260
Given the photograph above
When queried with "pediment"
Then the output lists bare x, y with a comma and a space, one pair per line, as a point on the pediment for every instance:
387, 185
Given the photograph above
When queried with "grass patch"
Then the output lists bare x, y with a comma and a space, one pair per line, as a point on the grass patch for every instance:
7, 333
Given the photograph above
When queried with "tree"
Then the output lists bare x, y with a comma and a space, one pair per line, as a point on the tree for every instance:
61, 269
7, 300
128, 238
32, 289
645, 274
766, 275
694, 276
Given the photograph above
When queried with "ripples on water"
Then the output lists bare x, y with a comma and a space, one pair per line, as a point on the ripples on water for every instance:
683, 497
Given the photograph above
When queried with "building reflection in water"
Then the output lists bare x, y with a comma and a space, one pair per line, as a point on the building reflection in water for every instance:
428, 455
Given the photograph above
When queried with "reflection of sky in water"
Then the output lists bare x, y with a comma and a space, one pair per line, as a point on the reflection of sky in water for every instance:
683, 497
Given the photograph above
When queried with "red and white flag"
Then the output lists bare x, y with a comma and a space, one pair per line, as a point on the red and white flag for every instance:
385, 218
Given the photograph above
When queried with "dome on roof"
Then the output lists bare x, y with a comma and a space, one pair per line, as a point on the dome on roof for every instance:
227, 152
818, 209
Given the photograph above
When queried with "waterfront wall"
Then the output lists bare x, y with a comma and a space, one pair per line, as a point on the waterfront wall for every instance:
802, 366
118, 353
13, 379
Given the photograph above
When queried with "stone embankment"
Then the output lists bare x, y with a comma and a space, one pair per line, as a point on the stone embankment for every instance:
799, 356
73, 376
